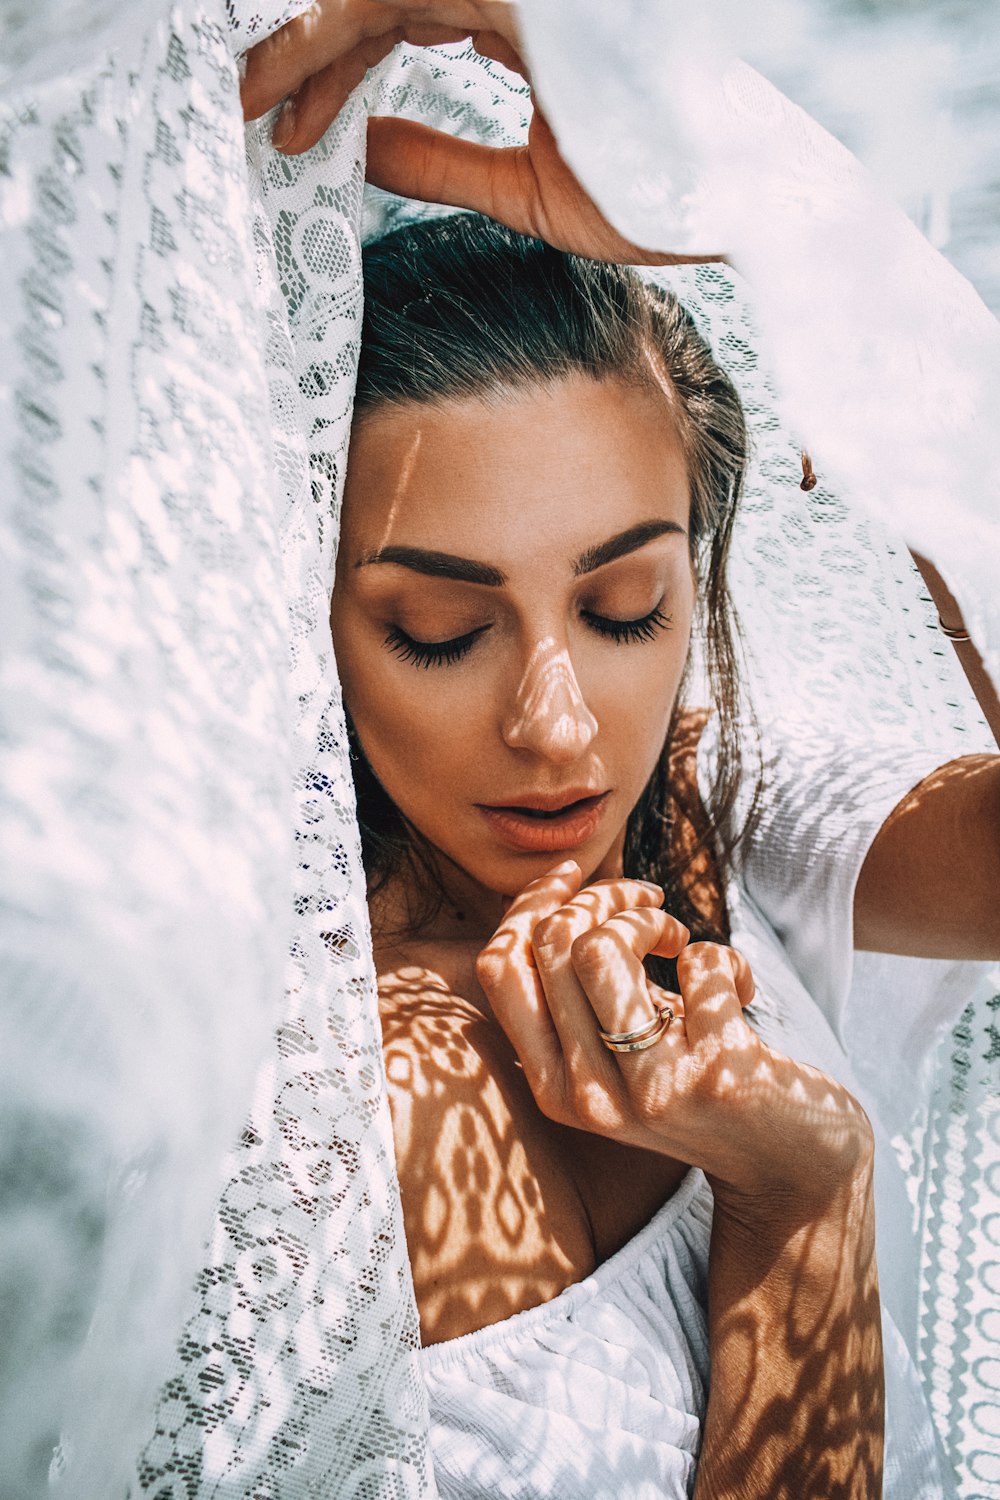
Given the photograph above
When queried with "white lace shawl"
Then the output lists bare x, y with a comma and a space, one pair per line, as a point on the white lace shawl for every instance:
180, 316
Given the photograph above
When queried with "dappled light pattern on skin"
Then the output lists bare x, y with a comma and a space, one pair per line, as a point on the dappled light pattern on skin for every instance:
709, 1093
286, 1328
549, 692
792, 1284
500, 1216
489, 1231
820, 1434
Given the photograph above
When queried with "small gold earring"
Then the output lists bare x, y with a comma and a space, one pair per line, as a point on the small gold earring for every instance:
808, 473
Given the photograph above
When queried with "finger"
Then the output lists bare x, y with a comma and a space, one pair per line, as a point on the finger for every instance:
607, 960
475, 15
706, 974
506, 970
415, 161
590, 907
538, 899
746, 988
492, 45
552, 943
282, 62
308, 114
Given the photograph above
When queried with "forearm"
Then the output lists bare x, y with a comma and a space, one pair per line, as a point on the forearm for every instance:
795, 1408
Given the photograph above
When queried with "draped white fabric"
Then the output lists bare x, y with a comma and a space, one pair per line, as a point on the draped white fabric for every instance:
180, 316
688, 149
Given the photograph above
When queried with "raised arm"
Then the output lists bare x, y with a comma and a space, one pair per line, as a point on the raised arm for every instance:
315, 61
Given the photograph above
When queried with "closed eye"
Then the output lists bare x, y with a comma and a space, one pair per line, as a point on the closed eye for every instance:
646, 628
447, 653
431, 653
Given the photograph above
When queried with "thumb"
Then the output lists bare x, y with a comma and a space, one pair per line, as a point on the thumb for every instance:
416, 161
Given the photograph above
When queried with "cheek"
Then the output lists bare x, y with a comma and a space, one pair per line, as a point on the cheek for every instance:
416, 736
633, 696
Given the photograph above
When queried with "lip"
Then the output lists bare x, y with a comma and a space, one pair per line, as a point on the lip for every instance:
583, 811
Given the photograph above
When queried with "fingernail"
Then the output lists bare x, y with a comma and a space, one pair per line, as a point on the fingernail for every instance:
567, 866
650, 886
284, 126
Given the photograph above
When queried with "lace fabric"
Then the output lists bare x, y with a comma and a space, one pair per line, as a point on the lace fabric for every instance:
688, 149
181, 334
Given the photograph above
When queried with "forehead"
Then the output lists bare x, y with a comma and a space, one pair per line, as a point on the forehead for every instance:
548, 467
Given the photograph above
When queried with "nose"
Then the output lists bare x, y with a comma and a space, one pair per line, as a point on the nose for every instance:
548, 715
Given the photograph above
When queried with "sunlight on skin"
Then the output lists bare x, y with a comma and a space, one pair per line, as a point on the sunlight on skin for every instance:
425, 729
560, 954
527, 1151
549, 696
952, 910
709, 1062
492, 1229
407, 464
492, 1219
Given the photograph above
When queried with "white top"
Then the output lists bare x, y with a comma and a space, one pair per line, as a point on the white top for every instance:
601, 1391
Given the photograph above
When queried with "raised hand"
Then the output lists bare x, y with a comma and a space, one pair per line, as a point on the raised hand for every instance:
315, 62
566, 962
795, 1401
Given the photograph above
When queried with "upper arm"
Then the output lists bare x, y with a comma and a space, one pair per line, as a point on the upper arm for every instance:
930, 882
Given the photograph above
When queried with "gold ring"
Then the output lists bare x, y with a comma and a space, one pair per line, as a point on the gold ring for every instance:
643, 1036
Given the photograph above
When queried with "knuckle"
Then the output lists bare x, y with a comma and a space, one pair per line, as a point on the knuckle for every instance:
581, 1101
553, 932
544, 931
490, 965
589, 950
551, 1099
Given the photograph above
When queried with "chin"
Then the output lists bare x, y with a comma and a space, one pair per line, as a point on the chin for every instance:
510, 875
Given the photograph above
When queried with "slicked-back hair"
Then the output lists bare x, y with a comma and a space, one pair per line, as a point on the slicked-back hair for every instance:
461, 308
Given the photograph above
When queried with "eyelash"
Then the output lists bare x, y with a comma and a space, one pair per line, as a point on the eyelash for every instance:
628, 631
446, 653
430, 653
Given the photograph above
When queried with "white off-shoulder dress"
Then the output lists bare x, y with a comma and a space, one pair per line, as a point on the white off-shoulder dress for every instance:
602, 1390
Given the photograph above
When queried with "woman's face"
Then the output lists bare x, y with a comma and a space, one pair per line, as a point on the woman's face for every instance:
511, 617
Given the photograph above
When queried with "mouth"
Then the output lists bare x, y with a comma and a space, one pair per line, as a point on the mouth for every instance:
547, 824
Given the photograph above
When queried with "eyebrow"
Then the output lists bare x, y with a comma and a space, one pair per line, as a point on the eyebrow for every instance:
466, 570
624, 543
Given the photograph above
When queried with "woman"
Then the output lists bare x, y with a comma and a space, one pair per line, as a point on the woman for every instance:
535, 716
543, 474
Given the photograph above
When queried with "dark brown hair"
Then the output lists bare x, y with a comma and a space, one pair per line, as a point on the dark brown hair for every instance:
460, 308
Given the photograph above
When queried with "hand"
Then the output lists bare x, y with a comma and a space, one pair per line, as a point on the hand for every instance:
317, 60
768, 1132
320, 57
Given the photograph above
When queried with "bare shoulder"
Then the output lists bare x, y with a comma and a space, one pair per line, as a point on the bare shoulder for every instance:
929, 881
494, 1223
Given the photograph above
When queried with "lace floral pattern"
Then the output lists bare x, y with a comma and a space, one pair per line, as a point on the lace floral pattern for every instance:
146, 785
184, 322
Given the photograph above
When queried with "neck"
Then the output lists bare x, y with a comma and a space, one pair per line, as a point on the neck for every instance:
404, 907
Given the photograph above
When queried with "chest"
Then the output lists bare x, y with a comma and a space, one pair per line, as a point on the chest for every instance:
503, 1208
